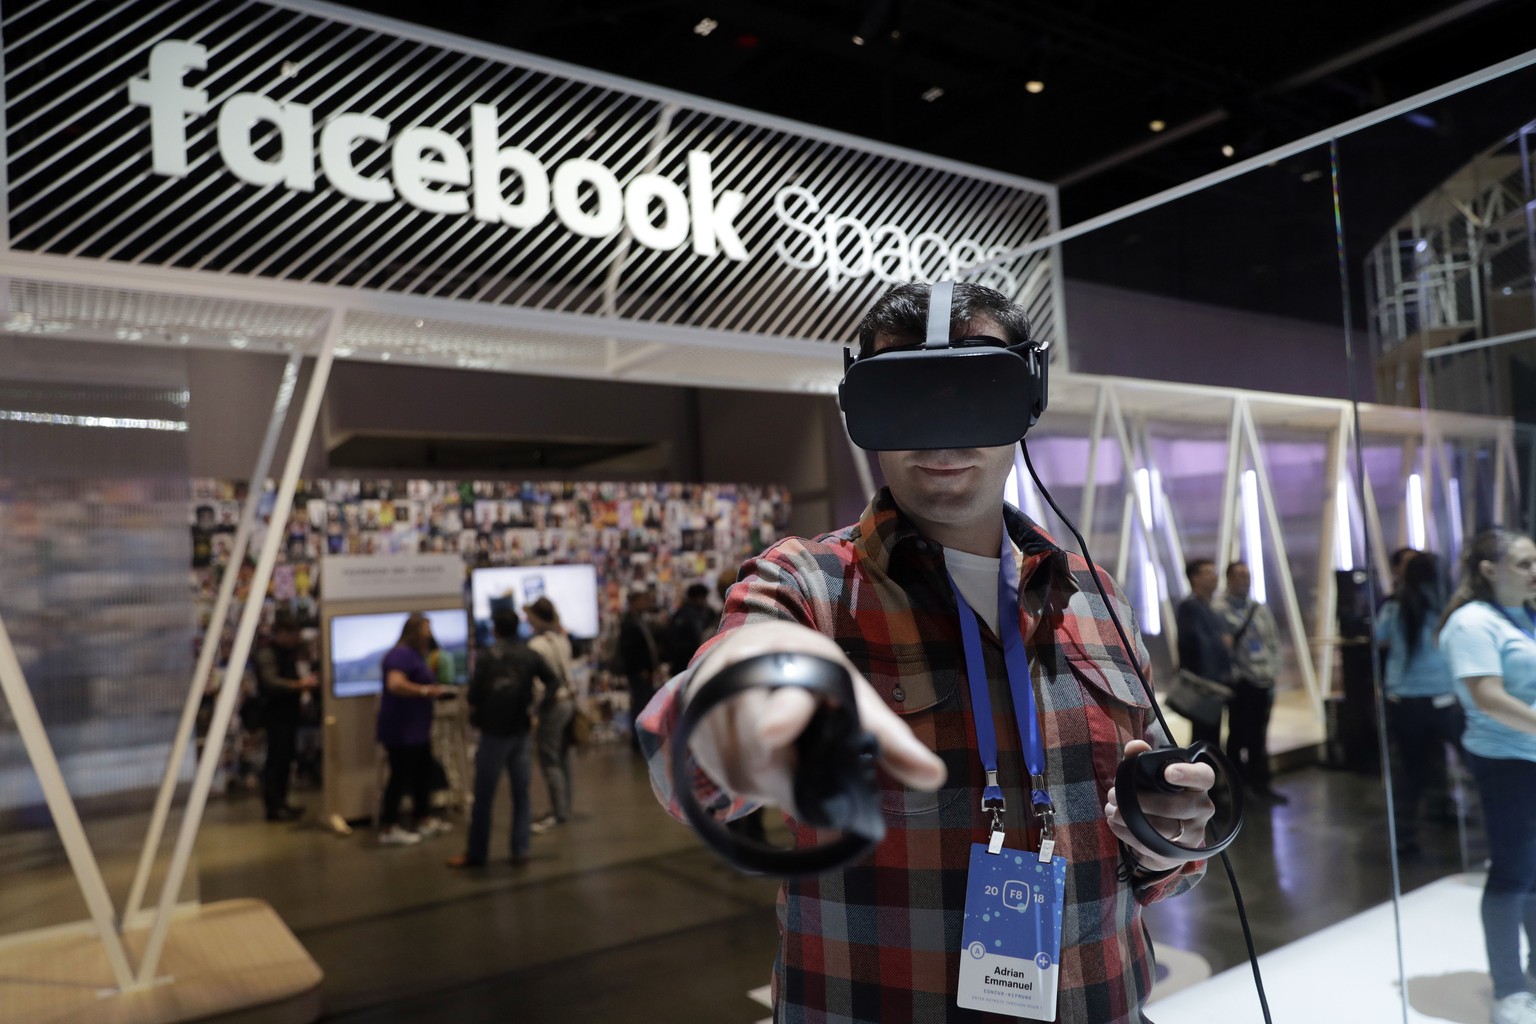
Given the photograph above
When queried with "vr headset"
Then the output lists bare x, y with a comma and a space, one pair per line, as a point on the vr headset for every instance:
967, 393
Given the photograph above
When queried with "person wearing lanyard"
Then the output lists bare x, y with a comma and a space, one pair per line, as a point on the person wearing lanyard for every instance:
1489, 638
985, 664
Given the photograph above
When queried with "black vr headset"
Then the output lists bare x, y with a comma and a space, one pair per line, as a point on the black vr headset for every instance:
967, 393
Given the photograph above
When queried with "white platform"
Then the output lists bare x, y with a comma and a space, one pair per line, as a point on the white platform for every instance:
1348, 973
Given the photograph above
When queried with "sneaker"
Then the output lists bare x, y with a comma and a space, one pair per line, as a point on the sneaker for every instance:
1519, 1008
397, 836
434, 827
545, 824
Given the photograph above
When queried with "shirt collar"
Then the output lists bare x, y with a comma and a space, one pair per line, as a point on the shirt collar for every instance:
884, 529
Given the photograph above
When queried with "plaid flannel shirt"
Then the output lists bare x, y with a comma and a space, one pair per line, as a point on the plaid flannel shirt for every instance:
880, 941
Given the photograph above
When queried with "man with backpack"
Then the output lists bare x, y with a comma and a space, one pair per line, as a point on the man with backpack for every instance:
501, 694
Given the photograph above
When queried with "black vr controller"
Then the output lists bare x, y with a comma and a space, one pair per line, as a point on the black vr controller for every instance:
834, 785
1147, 772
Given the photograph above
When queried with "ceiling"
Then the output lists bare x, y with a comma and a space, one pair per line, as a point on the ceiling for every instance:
949, 78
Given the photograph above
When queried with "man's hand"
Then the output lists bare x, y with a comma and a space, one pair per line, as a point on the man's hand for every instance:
1179, 816
747, 744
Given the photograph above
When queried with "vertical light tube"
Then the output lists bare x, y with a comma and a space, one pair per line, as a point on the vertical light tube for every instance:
1453, 499
1253, 537
1415, 508
1343, 528
1144, 496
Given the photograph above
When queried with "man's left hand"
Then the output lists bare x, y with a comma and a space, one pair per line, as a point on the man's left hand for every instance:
1180, 816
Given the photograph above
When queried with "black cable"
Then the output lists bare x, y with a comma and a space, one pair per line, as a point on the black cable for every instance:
1130, 650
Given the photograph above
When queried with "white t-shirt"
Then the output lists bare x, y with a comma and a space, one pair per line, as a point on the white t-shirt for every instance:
976, 578
1479, 640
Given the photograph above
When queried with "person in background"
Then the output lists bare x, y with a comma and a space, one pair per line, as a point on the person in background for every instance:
1423, 715
1255, 664
281, 683
1489, 639
1205, 645
690, 624
405, 730
501, 697
555, 709
638, 651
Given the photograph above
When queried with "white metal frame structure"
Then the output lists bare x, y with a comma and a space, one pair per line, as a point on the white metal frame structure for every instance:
47, 291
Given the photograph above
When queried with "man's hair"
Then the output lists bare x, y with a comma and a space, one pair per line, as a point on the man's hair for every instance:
1401, 556
903, 313
1194, 565
1239, 563
697, 592
504, 623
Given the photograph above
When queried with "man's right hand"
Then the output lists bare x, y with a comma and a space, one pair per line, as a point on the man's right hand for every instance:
747, 744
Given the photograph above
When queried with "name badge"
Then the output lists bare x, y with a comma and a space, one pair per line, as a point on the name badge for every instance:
1010, 943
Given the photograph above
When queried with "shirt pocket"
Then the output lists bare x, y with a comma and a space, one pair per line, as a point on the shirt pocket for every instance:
927, 701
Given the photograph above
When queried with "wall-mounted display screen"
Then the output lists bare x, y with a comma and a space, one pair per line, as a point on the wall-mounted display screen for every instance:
572, 588
358, 644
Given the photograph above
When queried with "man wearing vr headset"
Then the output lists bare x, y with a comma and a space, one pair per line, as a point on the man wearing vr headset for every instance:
889, 598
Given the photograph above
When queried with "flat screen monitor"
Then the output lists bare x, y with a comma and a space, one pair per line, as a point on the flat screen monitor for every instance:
572, 588
358, 644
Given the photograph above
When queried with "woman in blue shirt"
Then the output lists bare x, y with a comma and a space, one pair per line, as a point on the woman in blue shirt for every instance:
1489, 638
1423, 716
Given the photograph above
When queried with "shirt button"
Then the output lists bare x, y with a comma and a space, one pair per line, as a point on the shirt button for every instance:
898, 694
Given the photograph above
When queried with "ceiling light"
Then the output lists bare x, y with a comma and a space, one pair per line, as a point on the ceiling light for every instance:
705, 26
1228, 152
290, 69
1157, 125
933, 94
858, 40
1035, 86
895, 33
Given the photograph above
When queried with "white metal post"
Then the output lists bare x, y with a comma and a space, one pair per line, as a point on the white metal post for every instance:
1127, 479
1095, 438
1325, 596
246, 632
210, 648
1229, 483
1282, 562
29, 726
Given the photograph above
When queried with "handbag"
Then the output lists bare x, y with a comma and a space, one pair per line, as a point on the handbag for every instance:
579, 732
1197, 698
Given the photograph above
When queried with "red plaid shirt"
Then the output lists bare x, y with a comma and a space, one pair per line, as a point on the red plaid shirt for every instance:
880, 941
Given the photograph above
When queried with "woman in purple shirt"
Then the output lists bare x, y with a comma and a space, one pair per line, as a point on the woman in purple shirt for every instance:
405, 730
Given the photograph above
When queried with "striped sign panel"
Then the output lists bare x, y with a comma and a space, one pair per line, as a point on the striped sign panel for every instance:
274, 141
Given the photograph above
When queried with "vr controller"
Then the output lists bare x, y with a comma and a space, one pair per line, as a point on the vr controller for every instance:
834, 782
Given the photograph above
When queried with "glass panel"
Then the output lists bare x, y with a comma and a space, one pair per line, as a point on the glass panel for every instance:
1441, 292
93, 506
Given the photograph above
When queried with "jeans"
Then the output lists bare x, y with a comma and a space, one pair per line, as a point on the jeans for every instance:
410, 771
1419, 734
555, 756
1508, 790
492, 755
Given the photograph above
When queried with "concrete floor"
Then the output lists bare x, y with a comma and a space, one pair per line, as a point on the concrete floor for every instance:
622, 913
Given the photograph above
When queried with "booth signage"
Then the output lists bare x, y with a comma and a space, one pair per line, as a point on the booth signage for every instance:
277, 141
369, 577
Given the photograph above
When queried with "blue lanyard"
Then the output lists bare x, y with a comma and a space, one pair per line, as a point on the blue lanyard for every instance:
1020, 683
1529, 629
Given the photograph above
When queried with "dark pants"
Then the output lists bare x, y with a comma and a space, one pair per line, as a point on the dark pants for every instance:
1508, 791
410, 771
555, 756
1248, 730
282, 741
1419, 734
641, 690
492, 755
1211, 732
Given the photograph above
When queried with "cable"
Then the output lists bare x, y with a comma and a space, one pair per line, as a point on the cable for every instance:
1130, 650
